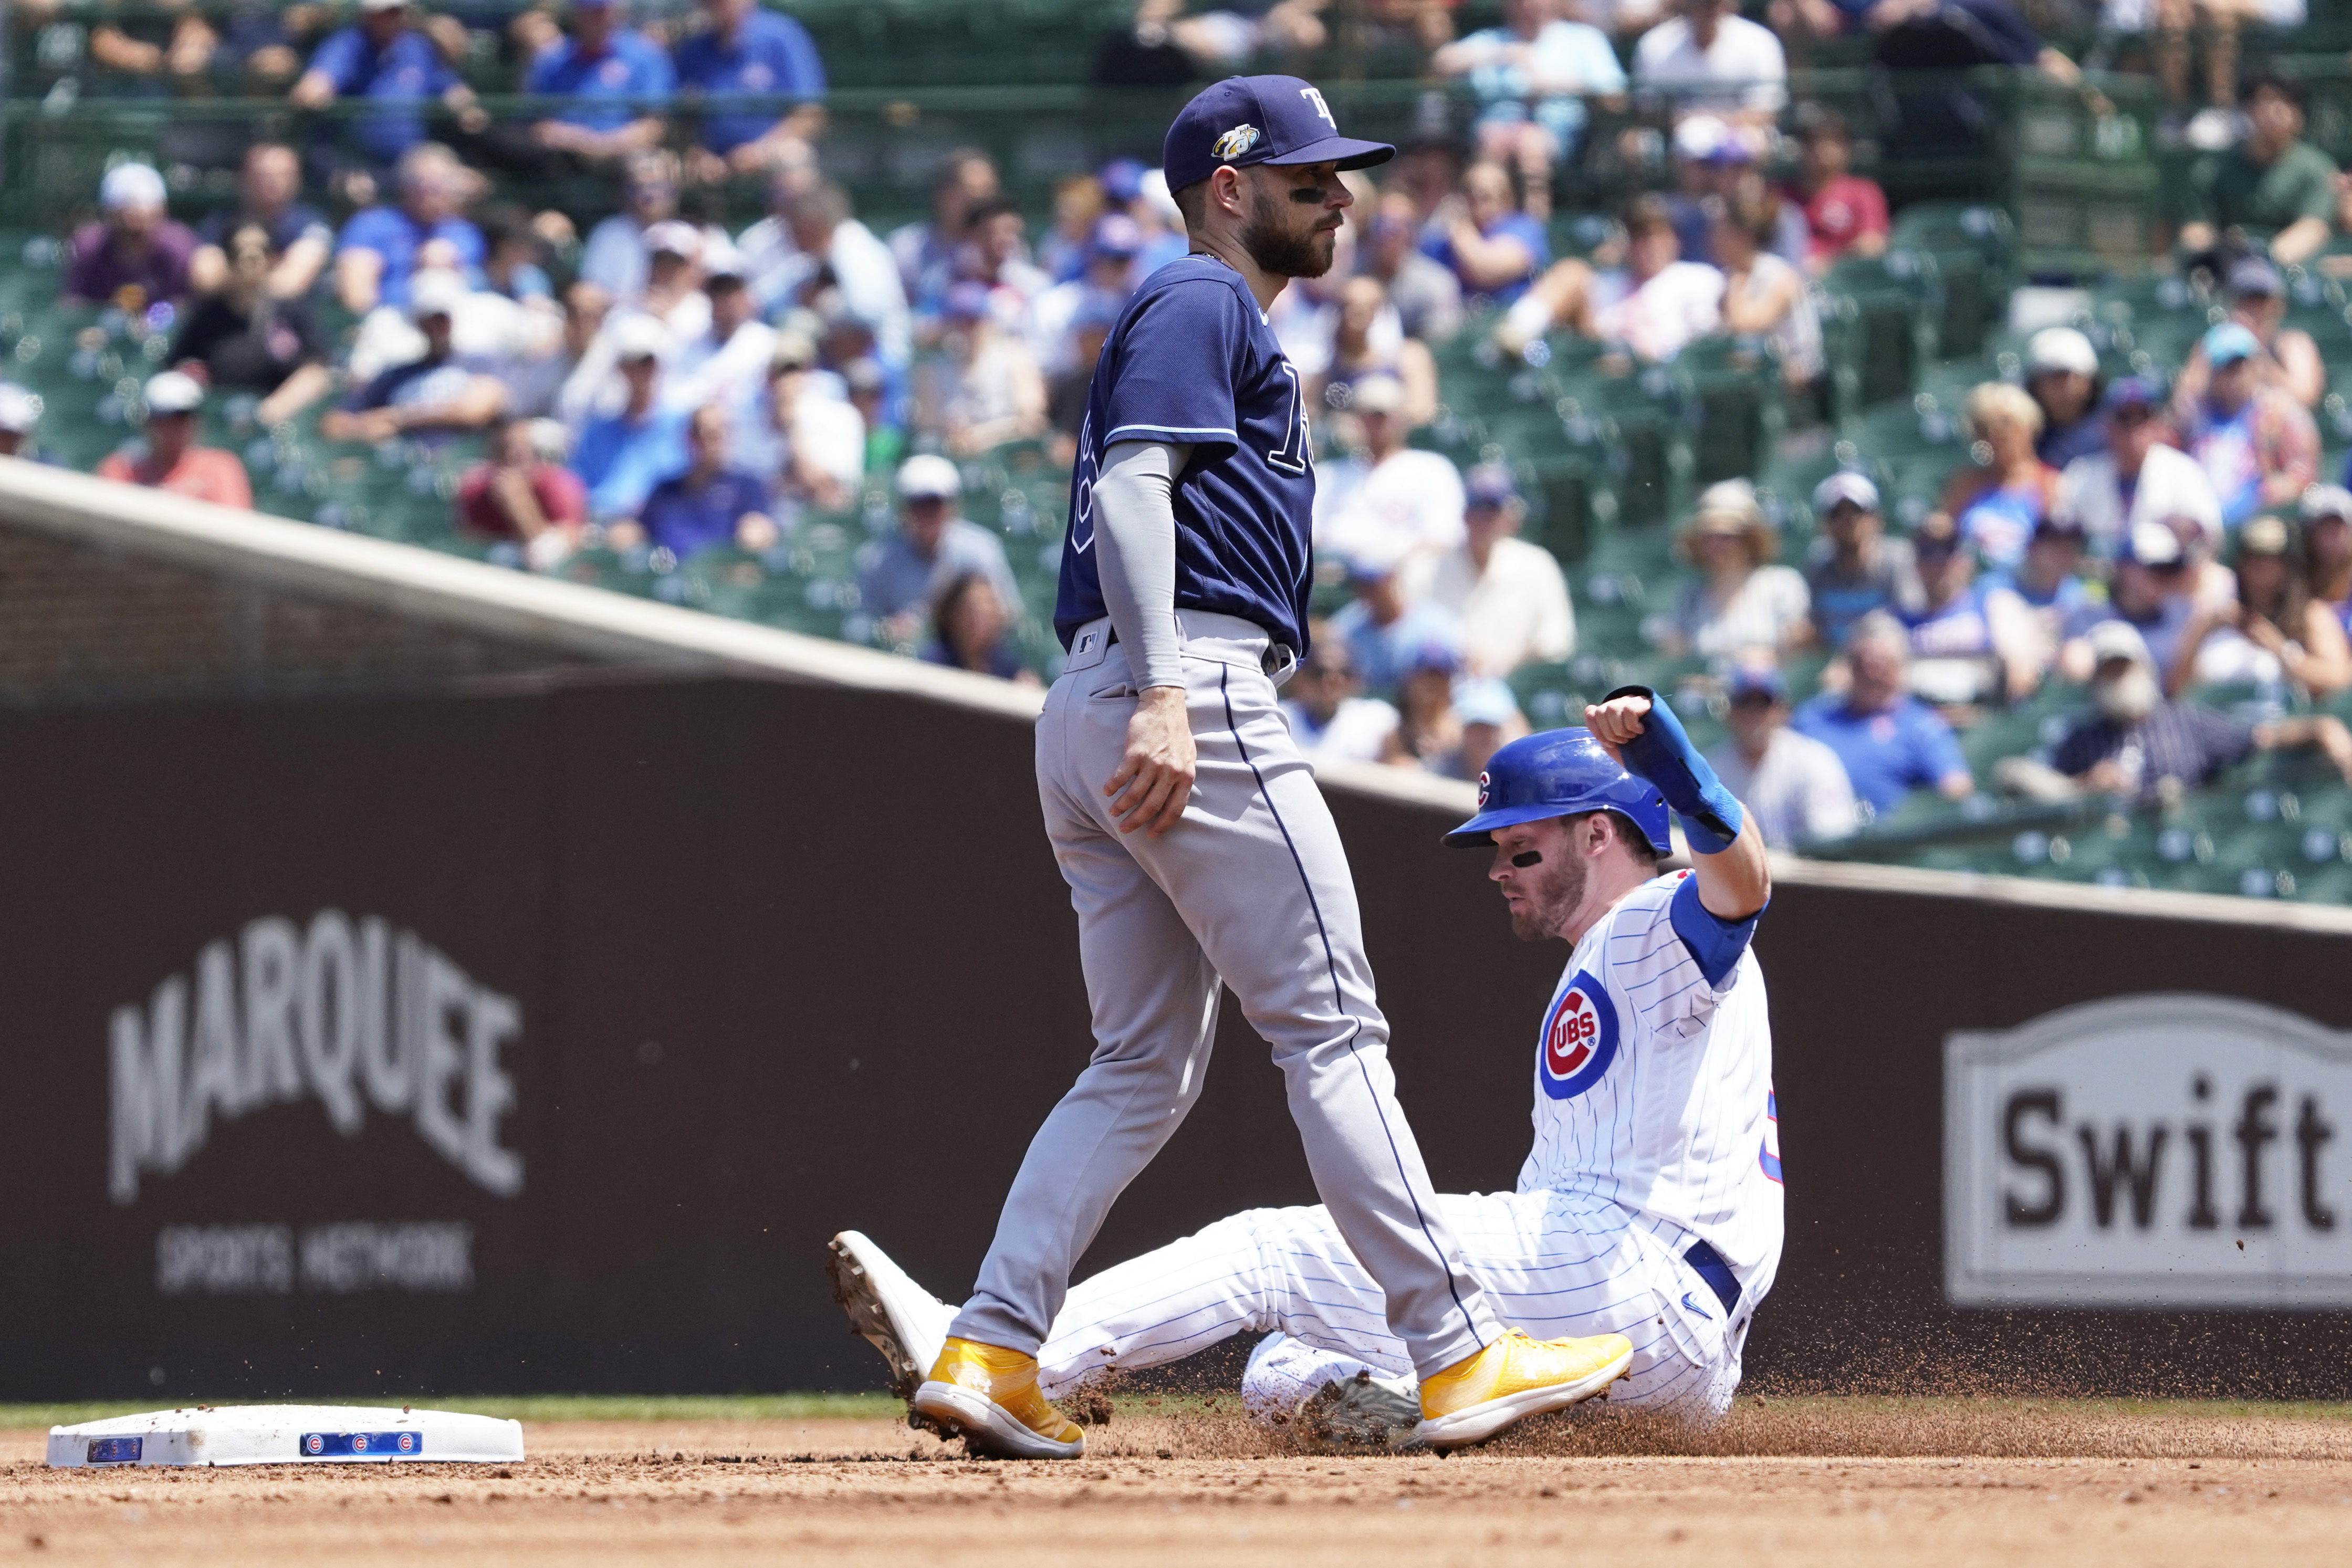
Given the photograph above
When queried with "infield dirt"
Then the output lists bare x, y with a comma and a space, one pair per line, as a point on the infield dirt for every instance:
1824, 1481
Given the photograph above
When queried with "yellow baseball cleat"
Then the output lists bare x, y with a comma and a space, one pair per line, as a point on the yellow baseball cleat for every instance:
1513, 1378
990, 1396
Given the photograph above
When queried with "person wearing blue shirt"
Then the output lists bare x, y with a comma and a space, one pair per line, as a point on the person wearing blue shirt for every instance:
1531, 76
1385, 634
711, 506
749, 52
612, 75
387, 61
380, 248
622, 457
1490, 245
1890, 742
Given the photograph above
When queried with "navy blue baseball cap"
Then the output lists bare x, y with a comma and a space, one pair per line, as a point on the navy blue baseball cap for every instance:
1246, 119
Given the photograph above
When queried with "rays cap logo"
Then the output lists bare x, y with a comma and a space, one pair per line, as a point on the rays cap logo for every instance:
1246, 119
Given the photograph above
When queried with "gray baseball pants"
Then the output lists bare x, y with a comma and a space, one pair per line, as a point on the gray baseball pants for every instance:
1251, 889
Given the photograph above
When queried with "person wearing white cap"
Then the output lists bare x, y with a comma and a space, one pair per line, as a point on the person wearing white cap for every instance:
622, 456
933, 545
435, 392
2140, 478
20, 415
134, 254
673, 292
2135, 742
169, 457
1854, 568
615, 257
2062, 373
727, 362
1391, 497
2151, 589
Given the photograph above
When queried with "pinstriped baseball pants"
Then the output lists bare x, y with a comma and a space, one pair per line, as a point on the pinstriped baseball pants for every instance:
1554, 1264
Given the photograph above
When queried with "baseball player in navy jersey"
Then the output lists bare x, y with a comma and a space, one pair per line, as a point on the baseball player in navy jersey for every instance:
1650, 1204
1197, 848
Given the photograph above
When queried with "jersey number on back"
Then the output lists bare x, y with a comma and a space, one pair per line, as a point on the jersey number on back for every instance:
1290, 454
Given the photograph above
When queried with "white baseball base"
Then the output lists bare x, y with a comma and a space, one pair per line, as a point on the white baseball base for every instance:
283, 1435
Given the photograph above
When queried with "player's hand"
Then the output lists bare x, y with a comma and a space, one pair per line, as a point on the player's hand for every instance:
1154, 781
1615, 722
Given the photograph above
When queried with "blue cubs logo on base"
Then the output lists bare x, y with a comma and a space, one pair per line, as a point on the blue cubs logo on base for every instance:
1580, 1039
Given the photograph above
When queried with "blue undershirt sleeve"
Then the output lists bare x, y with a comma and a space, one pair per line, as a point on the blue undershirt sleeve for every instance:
1714, 944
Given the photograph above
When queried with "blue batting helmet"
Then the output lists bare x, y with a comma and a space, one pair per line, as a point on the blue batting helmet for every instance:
1560, 773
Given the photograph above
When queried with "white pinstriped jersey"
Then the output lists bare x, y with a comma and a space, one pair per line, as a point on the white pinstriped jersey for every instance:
1653, 1079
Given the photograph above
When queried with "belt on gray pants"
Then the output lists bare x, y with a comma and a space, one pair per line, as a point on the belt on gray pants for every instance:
1280, 656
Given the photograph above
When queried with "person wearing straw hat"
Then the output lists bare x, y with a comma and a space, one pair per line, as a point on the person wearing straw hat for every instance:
1743, 598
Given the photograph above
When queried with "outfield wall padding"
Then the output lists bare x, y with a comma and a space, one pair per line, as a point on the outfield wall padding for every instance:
694, 972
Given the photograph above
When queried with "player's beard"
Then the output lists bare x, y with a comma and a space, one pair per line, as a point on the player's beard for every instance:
1553, 893
1282, 252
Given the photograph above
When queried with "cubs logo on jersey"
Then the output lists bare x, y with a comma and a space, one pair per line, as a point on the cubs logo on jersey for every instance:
1580, 1039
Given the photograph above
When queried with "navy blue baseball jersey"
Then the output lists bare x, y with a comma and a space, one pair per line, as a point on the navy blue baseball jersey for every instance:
1191, 360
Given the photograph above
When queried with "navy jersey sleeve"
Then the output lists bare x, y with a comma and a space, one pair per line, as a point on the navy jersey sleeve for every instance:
1174, 377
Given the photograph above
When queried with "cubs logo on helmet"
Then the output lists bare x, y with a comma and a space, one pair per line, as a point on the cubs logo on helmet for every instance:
1580, 1039
1234, 142
1483, 785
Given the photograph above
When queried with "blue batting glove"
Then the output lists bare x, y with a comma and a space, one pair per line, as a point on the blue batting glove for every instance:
1662, 755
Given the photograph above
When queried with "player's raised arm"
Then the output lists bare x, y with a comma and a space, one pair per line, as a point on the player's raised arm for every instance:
1727, 851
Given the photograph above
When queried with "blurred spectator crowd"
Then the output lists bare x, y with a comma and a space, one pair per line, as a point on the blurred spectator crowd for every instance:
654, 381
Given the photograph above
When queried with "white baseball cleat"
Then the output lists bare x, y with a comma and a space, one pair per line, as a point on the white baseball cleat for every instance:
906, 1322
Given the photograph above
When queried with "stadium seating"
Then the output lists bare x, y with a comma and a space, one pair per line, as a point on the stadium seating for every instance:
1610, 455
